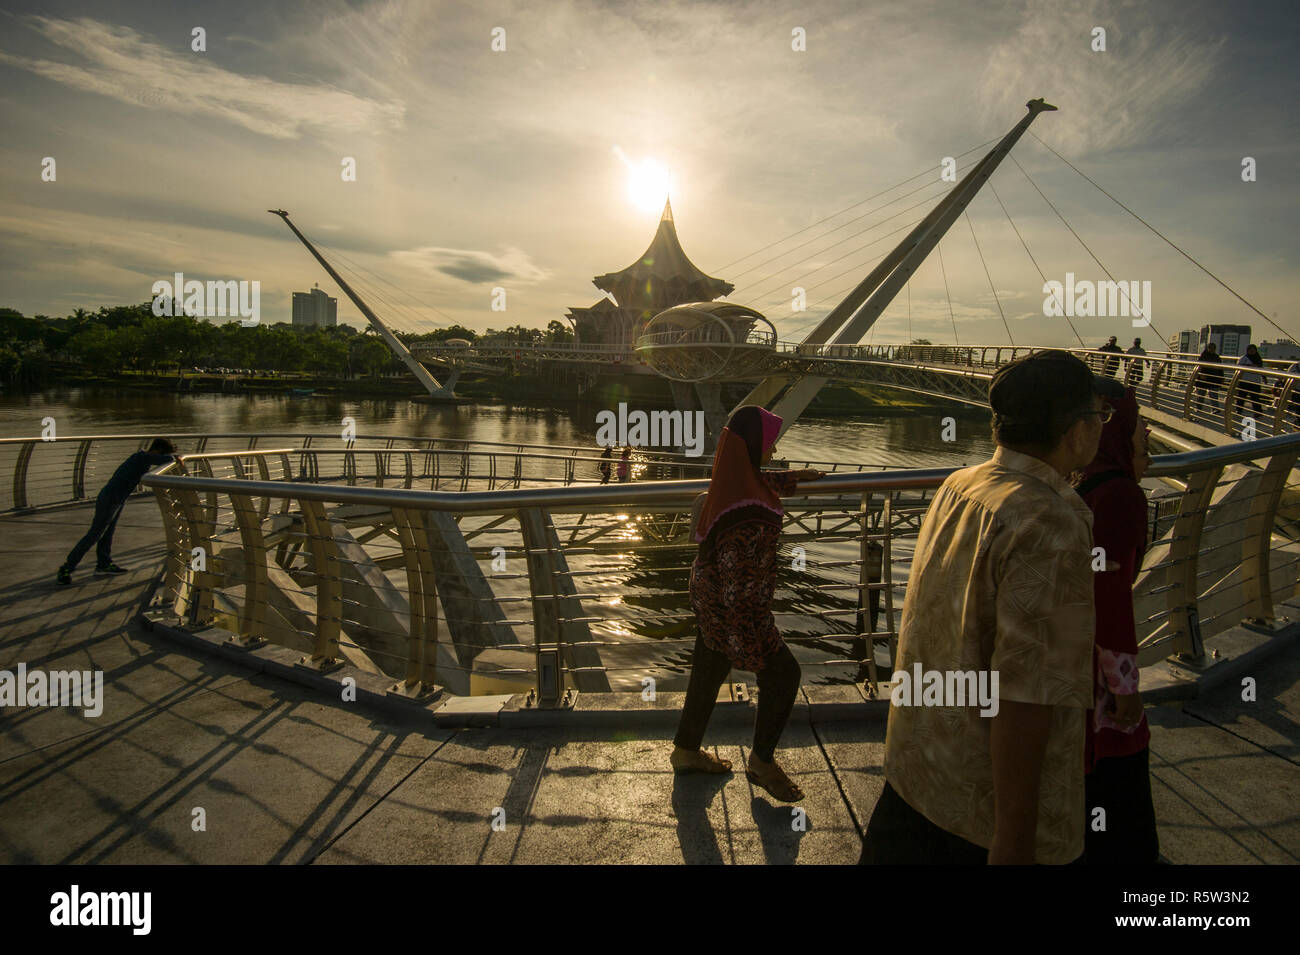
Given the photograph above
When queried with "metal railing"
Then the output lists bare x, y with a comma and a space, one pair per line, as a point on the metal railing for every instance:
1227, 399
496, 590
68, 470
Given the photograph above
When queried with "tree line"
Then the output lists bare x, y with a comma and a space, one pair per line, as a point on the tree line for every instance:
131, 338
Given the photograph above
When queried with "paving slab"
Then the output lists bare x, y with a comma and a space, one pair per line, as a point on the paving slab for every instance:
597, 798
277, 775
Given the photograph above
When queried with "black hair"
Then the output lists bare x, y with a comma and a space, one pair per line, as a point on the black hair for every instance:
161, 446
1037, 399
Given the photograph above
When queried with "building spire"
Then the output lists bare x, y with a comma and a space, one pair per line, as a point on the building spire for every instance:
668, 211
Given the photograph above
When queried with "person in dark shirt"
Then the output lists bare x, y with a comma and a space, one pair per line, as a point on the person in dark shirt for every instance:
1111, 365
1208, 379
108, 505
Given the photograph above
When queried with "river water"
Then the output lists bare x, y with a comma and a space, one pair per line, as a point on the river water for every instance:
897, 442
637, 591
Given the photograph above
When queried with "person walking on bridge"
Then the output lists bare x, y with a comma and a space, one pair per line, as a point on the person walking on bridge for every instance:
732, 582
1117, 754
1134, 373
1000, 585
1111, 364
624, 465
108, 505
1252, 382
1208, 379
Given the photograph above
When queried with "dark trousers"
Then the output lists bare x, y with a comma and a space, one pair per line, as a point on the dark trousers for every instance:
778, 685
1250, 391
100, 534
1122, 786
1201, 394
899, 835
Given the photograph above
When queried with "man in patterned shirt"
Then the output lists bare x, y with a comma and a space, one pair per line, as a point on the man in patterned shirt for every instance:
1001, 584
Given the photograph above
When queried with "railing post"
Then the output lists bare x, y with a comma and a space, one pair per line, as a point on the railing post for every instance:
422, 590
79, 470
252, 615
551, 689
1256, 546
1229, 400
20, 473
1184, 589
1283, 404
329, 588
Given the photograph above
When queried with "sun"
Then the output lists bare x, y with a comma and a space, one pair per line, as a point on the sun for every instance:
647, 184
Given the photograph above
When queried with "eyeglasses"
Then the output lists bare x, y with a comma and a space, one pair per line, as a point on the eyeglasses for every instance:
1105, 413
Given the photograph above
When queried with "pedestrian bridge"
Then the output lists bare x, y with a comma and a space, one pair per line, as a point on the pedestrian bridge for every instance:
467, 569
327, 561
1174, 389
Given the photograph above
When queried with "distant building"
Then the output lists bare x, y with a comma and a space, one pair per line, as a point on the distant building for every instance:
1185, 342
1230, 339
315, 308
1283, 349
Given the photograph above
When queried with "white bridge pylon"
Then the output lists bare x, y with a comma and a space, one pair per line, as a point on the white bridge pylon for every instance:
853, 316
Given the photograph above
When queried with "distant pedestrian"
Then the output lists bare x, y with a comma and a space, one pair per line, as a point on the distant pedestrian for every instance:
732, 582
1117, 754
108, 505
1208, 379
624, 465
1111, 365
606, 464
1251, 385
1000, 586
1135, 372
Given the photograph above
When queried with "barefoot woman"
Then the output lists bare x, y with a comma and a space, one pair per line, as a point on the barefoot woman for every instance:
732, 582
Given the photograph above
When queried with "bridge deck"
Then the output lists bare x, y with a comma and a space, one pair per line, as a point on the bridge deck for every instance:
285, 776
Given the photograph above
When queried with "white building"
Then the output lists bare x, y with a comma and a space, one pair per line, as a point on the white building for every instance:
315, 308
1230, 339
1186, 342
1283, 349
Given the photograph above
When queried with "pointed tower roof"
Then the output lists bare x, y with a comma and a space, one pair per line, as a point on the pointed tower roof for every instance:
662, 276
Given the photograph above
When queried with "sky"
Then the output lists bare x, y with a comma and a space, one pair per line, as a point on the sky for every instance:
481, 168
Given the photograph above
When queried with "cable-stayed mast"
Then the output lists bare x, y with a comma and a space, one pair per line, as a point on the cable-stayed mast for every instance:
862, 306
421, 373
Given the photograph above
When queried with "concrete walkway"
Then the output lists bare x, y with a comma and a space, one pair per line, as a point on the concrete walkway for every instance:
285, 774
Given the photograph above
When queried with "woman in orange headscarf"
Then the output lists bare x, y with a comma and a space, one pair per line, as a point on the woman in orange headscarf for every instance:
732, 582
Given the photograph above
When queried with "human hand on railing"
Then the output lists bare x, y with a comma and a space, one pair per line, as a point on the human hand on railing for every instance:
809, 474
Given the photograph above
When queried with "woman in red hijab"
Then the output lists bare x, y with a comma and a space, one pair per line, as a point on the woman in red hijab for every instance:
1116, 756
732, 582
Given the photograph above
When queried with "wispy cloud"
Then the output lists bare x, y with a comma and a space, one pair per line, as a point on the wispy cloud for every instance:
1107, 99
470, 265
123, 64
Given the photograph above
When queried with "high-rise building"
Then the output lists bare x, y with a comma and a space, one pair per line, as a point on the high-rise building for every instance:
1230, 339
1185, 342
1283, 349
315, 308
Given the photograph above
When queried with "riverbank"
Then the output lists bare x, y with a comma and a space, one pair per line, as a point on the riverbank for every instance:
532, 390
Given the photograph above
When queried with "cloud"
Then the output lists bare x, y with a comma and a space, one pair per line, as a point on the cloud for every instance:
1108, 99
124, 65
470, 265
